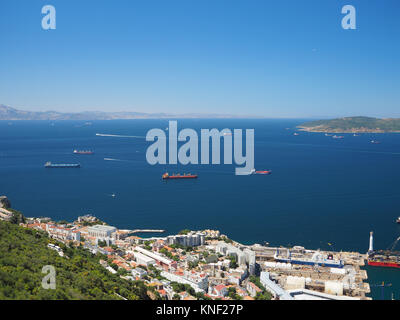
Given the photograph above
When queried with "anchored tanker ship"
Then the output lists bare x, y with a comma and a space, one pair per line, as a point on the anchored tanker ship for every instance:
166, 176
83, 152
61, 165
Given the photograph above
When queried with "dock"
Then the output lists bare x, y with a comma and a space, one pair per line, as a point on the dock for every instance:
348, 279
143, 231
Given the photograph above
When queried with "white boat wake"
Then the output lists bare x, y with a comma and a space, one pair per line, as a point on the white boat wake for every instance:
117, 136
112, 159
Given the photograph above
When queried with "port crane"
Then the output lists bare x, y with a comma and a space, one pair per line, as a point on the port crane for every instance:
382, 285
391, 248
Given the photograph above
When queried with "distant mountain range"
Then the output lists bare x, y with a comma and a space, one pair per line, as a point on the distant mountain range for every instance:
352, 125
8, 113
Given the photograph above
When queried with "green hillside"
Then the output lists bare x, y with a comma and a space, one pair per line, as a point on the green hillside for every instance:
352, 124
78, 275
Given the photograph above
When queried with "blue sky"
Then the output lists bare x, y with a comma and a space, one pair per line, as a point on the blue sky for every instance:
248, 57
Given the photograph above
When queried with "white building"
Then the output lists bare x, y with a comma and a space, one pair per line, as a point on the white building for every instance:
63, 233
192, 239
199, 282
274, 288
101, 231
138, 273
143, 260
305, 294
160, 260
251, 260
242, 257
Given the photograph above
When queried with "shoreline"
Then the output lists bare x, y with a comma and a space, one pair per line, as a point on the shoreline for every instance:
304, 129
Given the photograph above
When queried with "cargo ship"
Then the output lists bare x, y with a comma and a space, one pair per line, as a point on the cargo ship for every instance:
61, 165
83, 152
263, 172
388, 263
166, 176
383, 258
254, 171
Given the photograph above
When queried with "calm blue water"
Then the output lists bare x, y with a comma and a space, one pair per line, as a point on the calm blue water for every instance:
321, 190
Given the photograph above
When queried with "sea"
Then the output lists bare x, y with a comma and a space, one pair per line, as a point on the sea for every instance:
323, 193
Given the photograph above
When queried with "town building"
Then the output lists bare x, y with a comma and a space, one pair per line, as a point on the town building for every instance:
101, 231
198, 281
192, 239
160, 260
138, 273
63, 233
143, 260
273, 287
253, 289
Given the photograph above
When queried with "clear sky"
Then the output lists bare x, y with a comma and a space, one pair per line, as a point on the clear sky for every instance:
248, 57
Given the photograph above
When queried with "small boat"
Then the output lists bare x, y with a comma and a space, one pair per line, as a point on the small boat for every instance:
375, 142
398, 220
295, 134
337, 137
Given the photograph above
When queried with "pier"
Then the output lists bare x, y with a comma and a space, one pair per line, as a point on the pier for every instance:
143, 231
126, 233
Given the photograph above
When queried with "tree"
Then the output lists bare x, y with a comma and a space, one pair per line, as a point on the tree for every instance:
176, 297
233, 263
102, 243
184, 231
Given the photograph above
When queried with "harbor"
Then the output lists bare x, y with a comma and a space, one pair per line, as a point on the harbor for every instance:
316, 273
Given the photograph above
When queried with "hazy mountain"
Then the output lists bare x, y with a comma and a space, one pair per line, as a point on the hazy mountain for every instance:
8, 113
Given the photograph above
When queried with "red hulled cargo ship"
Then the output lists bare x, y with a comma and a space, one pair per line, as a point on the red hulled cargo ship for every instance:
389, 264
263, 172
383, 258
166, 176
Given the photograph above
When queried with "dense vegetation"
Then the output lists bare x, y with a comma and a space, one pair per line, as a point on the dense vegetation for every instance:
79, 275
17, 217
353, 124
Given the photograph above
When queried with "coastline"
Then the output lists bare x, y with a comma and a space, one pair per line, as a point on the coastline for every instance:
321, 130
190, 257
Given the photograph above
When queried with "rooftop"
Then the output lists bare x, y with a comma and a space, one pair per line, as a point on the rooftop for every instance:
99, 227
